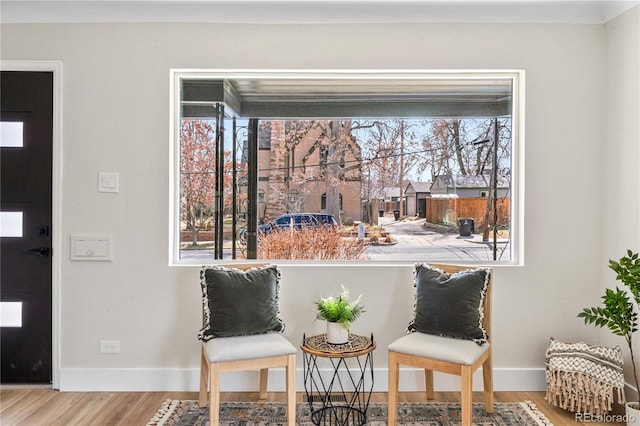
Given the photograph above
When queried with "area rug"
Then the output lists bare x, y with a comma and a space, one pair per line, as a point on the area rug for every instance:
187, 413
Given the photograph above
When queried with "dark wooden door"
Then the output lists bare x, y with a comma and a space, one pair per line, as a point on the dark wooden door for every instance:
26, 150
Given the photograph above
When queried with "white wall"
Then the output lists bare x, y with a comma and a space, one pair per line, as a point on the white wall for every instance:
621, 177
116, 94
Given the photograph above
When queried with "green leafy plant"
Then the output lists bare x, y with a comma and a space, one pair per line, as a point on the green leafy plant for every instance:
619, 312
339, 309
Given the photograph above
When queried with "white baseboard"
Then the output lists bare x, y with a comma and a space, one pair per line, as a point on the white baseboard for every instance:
187, 380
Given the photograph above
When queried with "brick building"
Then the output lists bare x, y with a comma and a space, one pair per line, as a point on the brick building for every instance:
292, 177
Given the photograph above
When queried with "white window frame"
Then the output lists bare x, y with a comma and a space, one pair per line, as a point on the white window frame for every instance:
517, 78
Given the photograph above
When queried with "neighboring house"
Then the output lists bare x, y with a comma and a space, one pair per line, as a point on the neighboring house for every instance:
290, 179
388, 198
416, 194
468, 186
391, 194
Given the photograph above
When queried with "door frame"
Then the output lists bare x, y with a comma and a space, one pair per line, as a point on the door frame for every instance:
56, 191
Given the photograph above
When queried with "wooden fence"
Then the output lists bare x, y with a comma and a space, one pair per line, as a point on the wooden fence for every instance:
448, 210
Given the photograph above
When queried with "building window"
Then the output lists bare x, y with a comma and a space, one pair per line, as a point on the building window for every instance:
323, 201
243, 159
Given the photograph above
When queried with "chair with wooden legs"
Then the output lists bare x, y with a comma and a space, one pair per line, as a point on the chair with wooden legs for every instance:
435, 352
241, 352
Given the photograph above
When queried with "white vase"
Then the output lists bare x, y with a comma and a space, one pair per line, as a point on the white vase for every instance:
336, 333
632, 415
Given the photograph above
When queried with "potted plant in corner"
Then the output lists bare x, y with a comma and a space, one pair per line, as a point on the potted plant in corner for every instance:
339, 313
620, 315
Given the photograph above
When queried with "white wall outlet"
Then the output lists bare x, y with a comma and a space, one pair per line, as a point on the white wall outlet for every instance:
109, 346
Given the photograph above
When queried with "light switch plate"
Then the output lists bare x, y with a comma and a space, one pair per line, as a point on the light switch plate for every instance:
108, 182
91, 247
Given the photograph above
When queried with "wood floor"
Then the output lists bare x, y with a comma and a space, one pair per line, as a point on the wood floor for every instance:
39, 407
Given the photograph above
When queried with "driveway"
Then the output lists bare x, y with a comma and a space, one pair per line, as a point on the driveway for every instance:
415, 243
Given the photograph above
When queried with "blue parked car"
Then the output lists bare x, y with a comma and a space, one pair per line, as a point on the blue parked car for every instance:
299, 221
295, 221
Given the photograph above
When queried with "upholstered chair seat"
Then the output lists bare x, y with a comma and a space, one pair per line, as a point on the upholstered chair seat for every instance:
441, 348
239, 348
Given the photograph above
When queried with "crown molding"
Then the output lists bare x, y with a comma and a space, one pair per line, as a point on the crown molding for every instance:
312, 11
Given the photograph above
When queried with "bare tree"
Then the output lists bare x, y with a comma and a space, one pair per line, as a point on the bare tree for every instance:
392, 150
451, 146
197, 172
332, 146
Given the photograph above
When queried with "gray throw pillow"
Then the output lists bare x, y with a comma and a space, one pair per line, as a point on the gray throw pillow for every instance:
239, 303
450, 305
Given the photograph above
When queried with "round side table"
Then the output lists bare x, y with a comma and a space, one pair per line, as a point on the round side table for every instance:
338, 379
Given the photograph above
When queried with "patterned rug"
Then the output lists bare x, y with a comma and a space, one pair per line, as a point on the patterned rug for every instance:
187, 413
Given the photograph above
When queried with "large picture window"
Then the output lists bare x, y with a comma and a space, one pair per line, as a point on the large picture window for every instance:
346, 166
